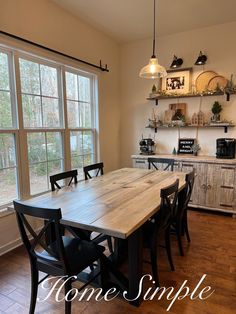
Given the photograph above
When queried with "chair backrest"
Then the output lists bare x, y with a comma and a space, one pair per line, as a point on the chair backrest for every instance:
34, 246
164, 216
168, 164
72, 174
185, 195
98, 168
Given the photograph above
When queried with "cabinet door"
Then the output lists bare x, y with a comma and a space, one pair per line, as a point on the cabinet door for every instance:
177, 166
226, 182
212, 187
199, 188
140, 163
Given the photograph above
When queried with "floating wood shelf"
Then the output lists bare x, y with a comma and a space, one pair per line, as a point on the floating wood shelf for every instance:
156, 98
225, 126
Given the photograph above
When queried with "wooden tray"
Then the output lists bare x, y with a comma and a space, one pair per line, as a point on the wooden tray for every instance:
219, 80
203, 80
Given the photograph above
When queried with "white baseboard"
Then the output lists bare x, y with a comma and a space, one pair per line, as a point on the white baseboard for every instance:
10, 246
13, 244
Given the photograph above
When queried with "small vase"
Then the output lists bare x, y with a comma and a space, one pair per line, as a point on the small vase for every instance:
216, 117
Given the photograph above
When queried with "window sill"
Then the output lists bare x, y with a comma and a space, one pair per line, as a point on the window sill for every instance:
6, 211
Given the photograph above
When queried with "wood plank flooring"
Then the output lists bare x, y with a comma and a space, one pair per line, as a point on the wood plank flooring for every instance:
212, 252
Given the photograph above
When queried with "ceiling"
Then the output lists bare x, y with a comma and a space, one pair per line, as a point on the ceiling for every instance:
130, 20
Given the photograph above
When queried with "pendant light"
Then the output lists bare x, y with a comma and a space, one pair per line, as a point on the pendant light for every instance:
153, 69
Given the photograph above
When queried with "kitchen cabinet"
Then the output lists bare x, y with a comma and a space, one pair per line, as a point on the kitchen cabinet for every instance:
215, 181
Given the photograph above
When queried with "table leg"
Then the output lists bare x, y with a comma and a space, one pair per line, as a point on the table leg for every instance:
135, 257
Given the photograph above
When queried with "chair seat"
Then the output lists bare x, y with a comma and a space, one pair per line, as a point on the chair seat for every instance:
79, 253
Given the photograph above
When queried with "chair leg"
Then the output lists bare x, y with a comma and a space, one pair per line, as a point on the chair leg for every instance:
179, 238
68, 287
168, 248
104, 276
34, 287
185, 225
153, 256
109, 242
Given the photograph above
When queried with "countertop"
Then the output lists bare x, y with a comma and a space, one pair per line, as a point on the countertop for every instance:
185, 157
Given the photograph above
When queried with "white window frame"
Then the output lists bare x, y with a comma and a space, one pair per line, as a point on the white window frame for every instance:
14, 129
94, 107
20, 132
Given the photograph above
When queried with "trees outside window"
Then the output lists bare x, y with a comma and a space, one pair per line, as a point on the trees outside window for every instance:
44, 129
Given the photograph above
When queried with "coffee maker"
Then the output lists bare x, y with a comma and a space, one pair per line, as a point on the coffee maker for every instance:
225, 148
147, 146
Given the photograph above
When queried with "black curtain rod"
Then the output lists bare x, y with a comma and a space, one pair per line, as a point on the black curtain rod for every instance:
100, 67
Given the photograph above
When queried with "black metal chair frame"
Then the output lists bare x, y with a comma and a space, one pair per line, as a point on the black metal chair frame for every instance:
54, 262
159, 223
72, 174
98, 166
180, 223
152, 161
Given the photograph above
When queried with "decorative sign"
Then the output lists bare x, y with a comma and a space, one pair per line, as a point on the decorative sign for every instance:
185, 145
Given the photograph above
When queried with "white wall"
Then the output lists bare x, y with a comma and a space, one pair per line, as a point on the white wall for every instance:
219, 45
47, 24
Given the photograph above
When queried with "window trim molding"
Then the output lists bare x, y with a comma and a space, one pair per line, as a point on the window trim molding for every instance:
20, 132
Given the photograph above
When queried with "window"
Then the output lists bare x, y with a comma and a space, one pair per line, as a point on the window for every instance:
6, 93
8, 163
8, 167
80, 119
35, 139
40, 99
45, 159
42, 109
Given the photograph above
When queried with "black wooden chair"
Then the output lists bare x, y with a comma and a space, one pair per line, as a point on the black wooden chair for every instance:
168, 164
66, 256
72, 175
160, 223
96, 168
180, 222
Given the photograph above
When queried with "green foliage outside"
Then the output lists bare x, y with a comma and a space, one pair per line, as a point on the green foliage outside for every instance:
40, 102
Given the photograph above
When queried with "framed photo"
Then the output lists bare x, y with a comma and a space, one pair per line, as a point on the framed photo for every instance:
177, 81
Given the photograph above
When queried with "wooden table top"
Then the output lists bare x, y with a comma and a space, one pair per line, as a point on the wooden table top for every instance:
116, 204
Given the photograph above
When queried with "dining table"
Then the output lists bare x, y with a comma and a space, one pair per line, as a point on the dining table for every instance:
117, 204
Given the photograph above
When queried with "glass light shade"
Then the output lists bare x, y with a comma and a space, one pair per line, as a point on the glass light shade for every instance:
153, 70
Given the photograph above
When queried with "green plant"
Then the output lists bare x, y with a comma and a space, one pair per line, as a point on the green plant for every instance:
216, 108
196, 147
154, 88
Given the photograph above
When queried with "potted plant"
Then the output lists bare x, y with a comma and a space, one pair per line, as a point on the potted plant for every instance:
196, 147
216, 110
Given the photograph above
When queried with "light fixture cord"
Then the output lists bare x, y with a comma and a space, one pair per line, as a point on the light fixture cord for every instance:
154, 31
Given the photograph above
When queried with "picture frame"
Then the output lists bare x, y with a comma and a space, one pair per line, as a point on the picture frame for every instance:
177, 81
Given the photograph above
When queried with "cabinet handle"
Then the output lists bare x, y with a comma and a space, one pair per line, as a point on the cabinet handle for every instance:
209, 187
203, 186
229, 168
140, 161
188, 165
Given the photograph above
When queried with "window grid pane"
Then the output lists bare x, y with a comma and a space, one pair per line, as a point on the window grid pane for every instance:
40, 95
8, 169
6, 115
79, 106
45, 158
82, 150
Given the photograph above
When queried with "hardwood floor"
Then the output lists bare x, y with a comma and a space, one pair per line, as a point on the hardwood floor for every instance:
212, 251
